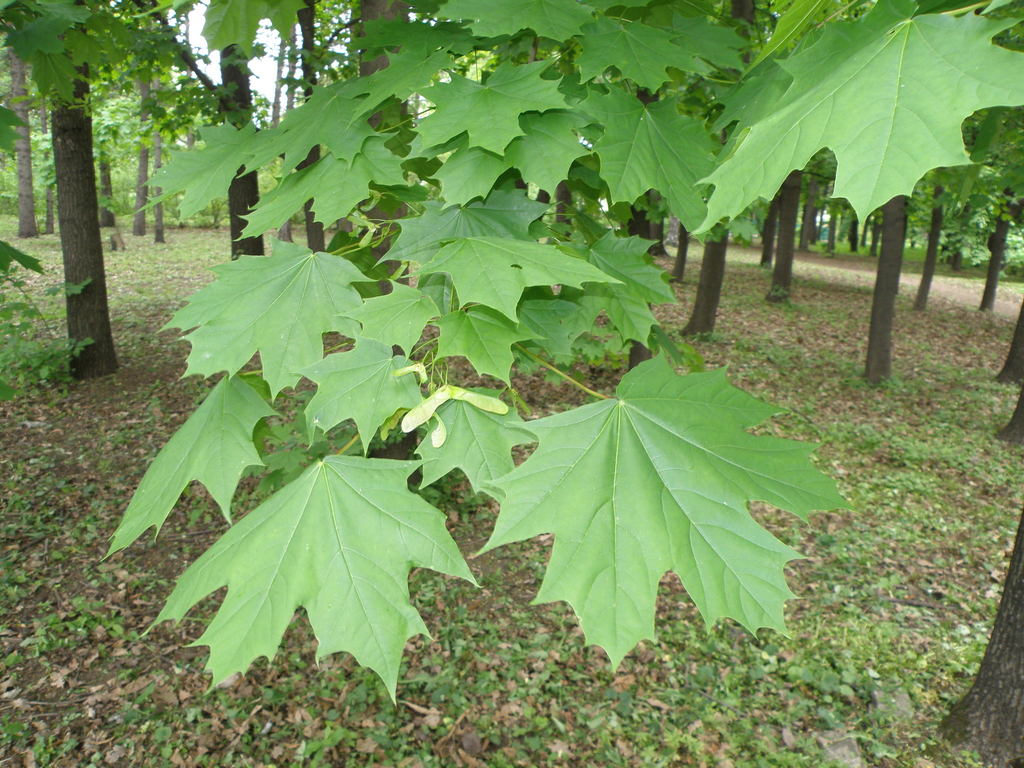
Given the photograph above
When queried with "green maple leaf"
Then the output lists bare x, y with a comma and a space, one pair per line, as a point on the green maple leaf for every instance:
482, 336
205, 173
717, 45
360, 385
419, 37
278, 305
640, 52
9, 254
545, 151
505, 213
398, 317
659, 479
235, 22
478, 442
494, 271
626, 259
339, 541
877, 94
557, 322
407, 72
8, 135
652, 146
469, 173
213, 446
556, 19
332, 117
489, 112
629, 312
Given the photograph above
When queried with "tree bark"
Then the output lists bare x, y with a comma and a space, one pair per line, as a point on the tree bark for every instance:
563, 202
852, 233
282, 59
709, 287
771, 221
158, 209
682, 248
990, 718
931, 255
789, 207
831, 233
656, 227
1013, 369
82, 249
887, 284
48, 224
876, 230
23, 149
315, 238
106, 192
244, 190
808, 224
142, 175
997, 254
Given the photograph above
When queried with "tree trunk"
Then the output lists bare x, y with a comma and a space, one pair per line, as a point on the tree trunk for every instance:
23, 149
282, 60
771, 221
709, 287
315, 239
1013, 368
158, 209
876, 230
77, 209
887, 284
990, 718
244, 191
997, 251
563, 202
810, 217
640, 226
142, 176
832, 233
789, 207
682, 247
931, 255
48, 225
107, 193
656, 227
852, 233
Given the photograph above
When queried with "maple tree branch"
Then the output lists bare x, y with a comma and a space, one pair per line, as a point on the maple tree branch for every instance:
560, 372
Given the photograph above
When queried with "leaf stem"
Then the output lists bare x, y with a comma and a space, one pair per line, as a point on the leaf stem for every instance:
348, 445
560, 372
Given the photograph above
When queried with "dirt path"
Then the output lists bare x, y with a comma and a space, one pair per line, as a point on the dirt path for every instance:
960, 291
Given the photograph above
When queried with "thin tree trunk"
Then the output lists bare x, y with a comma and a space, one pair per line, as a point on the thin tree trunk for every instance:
997, 251
789, 207
1013, 368
23, 149
990, 718
158, 209
771, 221
656, 226
563, 203
931, 255
142, 176
682, 248
244, 191
275, 109
887, 284
832, 233
106, 192
876, 230
293, 62
48, 225
77, 209
810, 214
709, 287
315, 238
852, 233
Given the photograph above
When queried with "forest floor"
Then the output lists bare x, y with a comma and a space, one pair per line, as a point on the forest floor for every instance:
894, 599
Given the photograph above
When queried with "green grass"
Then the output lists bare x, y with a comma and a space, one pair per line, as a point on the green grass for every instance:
897, 592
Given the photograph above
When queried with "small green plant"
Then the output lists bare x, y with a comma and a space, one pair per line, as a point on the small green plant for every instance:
31, 350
